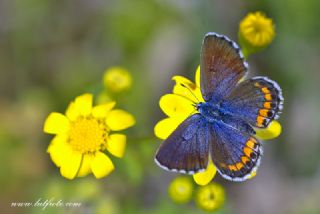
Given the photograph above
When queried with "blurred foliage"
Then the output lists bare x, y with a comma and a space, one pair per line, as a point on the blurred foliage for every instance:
51, 51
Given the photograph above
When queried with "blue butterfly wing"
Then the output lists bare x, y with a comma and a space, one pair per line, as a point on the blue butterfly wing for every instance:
222, 66
257, 101
186, 150
235, 152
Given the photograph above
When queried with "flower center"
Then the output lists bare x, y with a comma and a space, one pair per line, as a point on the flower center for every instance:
260, 26
87, 135
208, 197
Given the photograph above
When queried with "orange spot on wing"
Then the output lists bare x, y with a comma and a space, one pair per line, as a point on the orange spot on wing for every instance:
263, 112
250, 143
265, 90
267, 105
239, 165
268, 97
245, 159
232, 167
260, 120
247, 151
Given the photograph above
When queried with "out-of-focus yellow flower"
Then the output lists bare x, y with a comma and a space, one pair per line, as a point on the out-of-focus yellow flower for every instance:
256, 31
180, 190
178, 106
83, 134
107, 204
87, 189
210, 197
117, 79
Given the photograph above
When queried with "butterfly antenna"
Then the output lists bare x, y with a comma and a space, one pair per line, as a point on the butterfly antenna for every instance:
183, 85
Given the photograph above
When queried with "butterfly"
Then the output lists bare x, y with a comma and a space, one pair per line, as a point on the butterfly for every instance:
223, 127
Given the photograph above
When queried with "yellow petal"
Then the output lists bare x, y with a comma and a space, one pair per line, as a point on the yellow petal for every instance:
72, 112
197, 76
85, 167
101, 165
56, 123
203, 178
272, 131
116, 144
166, 126
57, 149
71, 163
188, 89
101, 111
118, 120
253, 174
184, 87
175, 105
83, 104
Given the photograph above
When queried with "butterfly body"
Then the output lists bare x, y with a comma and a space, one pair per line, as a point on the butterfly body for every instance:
210, 111
223, 127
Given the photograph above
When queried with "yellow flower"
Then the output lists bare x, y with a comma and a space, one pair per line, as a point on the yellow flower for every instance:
180, 190
256, 31
179, 105
210, 197
117, 79
83, 134
273, 131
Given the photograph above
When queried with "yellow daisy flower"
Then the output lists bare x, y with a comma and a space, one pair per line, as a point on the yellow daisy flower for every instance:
180, 189
179, 105
117, 79
256, 31
210, 197
83, 134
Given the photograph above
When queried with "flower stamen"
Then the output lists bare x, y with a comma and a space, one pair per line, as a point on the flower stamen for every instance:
87, 135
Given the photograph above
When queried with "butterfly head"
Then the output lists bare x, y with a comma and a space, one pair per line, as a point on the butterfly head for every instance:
198, 106
208, 110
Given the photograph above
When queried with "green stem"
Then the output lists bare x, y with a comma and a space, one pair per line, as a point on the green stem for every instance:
246, 52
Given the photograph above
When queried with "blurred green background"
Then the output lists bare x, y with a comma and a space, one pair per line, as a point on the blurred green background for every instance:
53, 51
